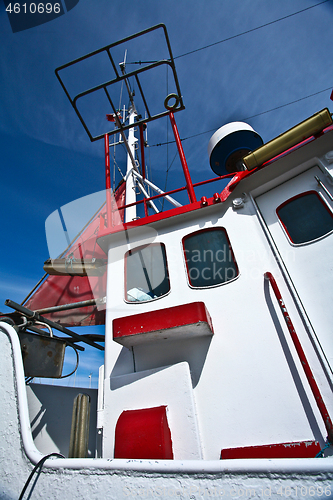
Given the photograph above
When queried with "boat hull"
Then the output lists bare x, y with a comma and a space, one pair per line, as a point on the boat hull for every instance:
121, 478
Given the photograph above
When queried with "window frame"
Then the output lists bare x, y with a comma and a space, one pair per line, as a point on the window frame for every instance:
300, 195
160, 244
219, 228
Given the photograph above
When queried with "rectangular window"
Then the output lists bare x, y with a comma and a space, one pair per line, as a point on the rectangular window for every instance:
209, 258
146, 273
305, 217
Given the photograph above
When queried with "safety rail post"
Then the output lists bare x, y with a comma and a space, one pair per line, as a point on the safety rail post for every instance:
304, 362
108, 180
189, 184
145, 207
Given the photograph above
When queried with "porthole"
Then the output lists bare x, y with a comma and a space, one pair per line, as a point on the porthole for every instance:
209, 258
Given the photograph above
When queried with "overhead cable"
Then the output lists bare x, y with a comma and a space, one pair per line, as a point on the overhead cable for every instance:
238, 34
250, 117
251, 30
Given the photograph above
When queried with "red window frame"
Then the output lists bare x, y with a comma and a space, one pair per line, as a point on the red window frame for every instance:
300, 195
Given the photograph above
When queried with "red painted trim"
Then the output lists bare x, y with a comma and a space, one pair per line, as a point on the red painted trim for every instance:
203, 231
188, 179
163, 319
298, 449
306, 367
143, 434
239, 176
173, 212
147, 220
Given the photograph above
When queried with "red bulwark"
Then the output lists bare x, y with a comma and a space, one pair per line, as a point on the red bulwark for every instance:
188, 320
299, 449
66, 289
143, 434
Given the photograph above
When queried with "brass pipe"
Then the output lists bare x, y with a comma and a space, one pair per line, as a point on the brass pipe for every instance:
312, 126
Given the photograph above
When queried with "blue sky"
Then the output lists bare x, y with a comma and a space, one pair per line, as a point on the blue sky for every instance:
47, 159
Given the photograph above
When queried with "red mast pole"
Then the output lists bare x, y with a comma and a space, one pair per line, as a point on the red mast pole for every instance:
107, 180
143, 164
189, 185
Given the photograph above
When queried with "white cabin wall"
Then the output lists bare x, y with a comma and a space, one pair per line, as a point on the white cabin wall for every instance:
165, 386
115, 306
246, 353
248, 389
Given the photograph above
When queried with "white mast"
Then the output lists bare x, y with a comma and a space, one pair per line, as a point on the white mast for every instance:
130, 212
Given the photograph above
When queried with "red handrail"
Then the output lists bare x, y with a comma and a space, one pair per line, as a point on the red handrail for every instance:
172, 191
304, 362
107, 180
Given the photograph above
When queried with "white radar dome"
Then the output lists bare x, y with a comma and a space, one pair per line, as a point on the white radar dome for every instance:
229, 144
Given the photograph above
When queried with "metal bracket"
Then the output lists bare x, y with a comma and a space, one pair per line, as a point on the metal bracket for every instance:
123, 76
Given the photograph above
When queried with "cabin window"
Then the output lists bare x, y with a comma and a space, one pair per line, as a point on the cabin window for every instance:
209, 258
305, 217
146, 273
